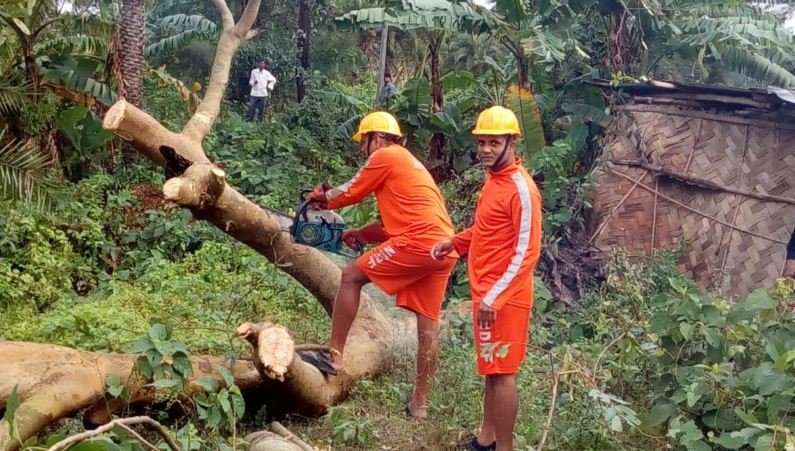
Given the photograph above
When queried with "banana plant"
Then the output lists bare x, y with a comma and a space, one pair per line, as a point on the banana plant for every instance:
28, 20
743, 38
435, 19
175, 31
413, 107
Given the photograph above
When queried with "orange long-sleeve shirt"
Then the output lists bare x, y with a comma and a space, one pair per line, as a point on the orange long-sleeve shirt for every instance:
504, 244
412, 208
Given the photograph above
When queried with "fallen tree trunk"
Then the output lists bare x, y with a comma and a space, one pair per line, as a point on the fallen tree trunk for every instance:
55, 381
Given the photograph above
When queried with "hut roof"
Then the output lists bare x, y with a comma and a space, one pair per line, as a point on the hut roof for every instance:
772, 103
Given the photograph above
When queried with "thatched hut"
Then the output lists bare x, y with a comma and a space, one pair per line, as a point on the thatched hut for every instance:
709, 166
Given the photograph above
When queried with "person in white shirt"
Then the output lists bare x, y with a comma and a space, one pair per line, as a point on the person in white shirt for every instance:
261, 82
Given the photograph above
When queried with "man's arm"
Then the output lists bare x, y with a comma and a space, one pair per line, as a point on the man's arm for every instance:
271, 81
520, 208
462, 241
252, 79
367, 180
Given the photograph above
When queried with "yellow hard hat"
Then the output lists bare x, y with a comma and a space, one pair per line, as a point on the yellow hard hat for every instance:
497, 120
379, 121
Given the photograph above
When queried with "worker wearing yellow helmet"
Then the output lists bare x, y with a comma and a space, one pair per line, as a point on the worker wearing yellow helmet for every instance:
414, 217
502, 249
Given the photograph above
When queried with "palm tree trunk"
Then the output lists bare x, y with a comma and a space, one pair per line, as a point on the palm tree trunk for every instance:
132, 30
304, 32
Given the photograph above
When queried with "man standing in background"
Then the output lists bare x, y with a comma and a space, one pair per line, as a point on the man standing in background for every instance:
261, 82
387, 91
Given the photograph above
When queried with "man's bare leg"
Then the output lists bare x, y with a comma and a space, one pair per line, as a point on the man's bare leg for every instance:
427, 354
505, 396
346, 305
488, 434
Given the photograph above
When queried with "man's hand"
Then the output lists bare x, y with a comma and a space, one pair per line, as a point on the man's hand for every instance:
353, 239
318, 195
441, 249
256, 82
371, 233
486, 316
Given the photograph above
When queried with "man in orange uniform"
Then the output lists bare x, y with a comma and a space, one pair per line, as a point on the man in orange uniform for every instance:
414, 219
503, 247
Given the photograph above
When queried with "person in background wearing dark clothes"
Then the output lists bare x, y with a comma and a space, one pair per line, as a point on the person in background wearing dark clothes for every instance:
388, 90
789, 265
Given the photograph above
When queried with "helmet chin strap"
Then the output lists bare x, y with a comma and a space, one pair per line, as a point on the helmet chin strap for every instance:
498, 161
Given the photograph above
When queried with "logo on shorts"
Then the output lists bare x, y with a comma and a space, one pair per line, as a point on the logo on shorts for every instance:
488, 350
380, 256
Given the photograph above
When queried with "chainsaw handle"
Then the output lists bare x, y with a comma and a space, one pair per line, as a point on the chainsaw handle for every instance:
352, 253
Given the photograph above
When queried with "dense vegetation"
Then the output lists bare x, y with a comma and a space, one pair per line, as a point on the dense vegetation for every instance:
89, 258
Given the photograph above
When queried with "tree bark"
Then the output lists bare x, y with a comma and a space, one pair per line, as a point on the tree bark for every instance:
57, 381
304, 35
619, 52
132, 30
54, 382
436, 156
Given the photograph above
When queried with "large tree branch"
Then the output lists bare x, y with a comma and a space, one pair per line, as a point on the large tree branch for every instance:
248, 18
233, 35
227, 19
202, 120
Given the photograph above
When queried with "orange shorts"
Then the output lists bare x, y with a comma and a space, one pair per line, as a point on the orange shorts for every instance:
418, 280
501, 348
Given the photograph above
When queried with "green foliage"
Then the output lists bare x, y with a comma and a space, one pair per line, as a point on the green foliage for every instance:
556, 165
522, 102
176, 31
10, 413
37, 118
83, 130
273, 162
414, 14
348, 427
77, 73
724, 370
163, 361
708, 372
756, 66
24, 172
37, 262
13, 96
220, 407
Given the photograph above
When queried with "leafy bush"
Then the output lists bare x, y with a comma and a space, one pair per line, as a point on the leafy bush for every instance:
710, 373
37, 262
273, 162
203, 298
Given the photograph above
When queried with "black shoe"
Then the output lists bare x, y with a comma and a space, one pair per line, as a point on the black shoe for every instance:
319, 360
473, 445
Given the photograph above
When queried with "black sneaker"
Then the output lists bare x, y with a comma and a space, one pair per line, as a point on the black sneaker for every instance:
319, 360
473, 445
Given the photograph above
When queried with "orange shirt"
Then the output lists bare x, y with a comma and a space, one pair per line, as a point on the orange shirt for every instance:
412, 208
504, 244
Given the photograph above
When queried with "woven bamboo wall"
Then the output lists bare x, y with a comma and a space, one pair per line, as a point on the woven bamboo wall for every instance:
736, 242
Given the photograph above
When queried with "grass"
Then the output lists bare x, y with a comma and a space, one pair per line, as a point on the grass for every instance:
375, 408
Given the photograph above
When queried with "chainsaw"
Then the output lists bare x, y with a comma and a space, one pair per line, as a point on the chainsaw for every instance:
321, 229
